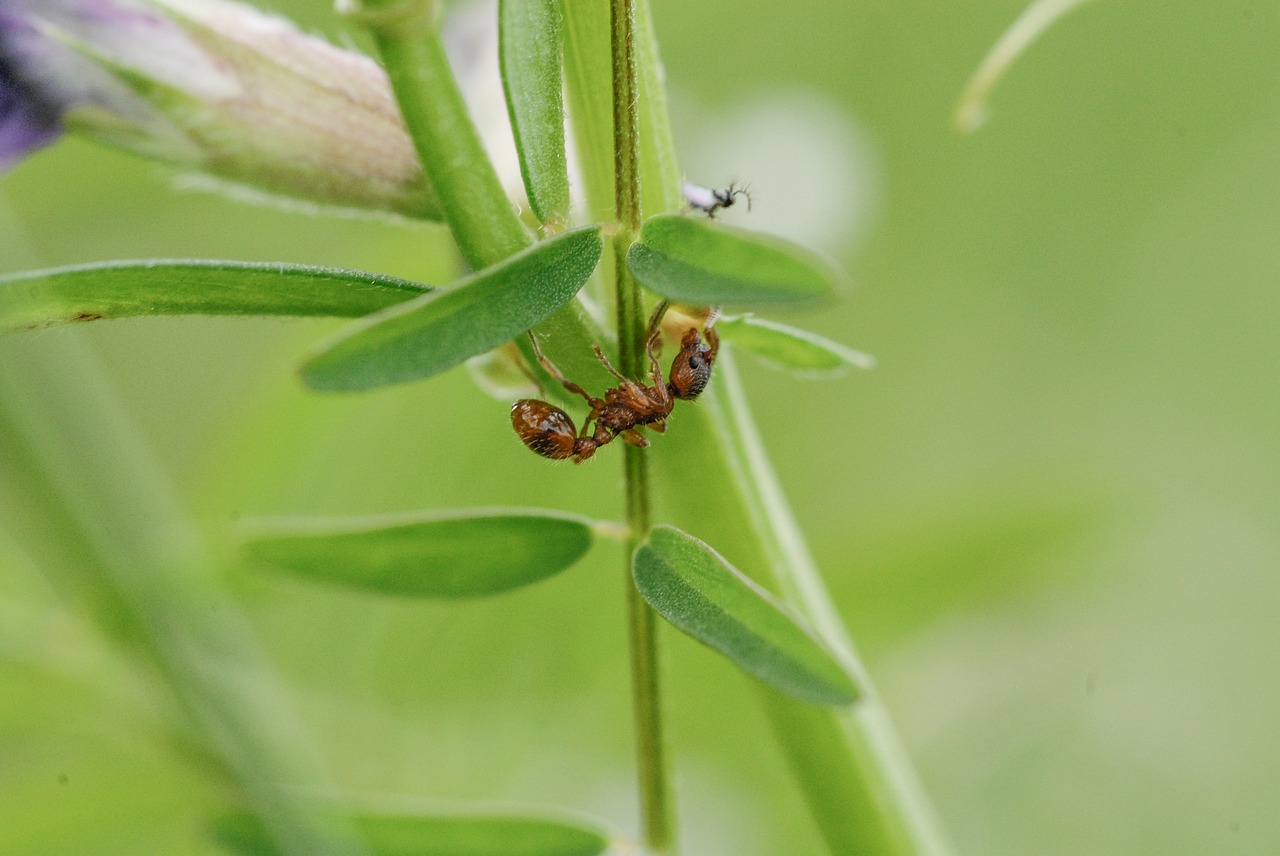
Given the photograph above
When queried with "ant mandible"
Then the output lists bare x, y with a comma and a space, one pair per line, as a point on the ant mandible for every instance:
548, 430
709, 200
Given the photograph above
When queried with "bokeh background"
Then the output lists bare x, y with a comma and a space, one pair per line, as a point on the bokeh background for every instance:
1049, 515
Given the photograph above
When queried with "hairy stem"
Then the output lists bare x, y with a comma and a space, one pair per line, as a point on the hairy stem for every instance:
655, 797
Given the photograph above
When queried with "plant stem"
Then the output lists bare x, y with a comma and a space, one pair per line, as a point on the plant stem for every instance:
97, 515
657, 818
858, 780
483, 221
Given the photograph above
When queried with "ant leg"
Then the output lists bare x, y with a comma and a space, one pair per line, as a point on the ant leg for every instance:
713, 336
653, 343
555, 373
593, 416
635, 438
609, 366
533, 378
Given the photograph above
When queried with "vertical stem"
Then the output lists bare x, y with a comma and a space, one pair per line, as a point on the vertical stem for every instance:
655, 796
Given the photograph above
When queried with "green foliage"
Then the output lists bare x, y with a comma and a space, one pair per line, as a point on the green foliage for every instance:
694, 588
459, 554
699, 262
614, 76
798, 351
442, 330
531, 54
158, 287
432, 835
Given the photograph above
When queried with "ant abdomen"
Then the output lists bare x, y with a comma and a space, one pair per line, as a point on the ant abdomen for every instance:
544, 428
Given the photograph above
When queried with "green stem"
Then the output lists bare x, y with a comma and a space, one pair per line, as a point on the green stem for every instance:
860, 785
98, 516
483, 221
657, 817
850, 763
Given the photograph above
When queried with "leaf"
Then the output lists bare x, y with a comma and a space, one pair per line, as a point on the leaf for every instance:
425, 835
436, 332
797, 351
694, 588
971, 110
531, 54
589, 84
696, 261
125, 289
468, 554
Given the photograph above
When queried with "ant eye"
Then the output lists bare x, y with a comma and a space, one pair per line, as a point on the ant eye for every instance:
695, 362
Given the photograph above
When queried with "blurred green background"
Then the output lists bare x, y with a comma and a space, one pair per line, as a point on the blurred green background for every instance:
1049, 515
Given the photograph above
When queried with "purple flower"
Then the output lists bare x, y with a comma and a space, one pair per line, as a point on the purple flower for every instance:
26, 124
213, 86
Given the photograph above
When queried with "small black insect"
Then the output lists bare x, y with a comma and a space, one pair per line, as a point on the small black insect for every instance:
709, 200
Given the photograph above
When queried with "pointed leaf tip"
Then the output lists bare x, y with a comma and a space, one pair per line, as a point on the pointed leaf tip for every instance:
126, 289
696, 261
434, 333
469, 554
801, 352
693, 587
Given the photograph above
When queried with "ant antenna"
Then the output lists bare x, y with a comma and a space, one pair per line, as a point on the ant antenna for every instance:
659, 312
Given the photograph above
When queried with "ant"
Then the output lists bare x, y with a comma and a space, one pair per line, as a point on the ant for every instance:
626, 408
709, 200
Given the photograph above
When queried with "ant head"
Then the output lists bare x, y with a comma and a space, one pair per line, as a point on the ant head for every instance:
691, 368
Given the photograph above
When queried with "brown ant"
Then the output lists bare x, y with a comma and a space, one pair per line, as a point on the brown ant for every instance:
626, 408
709, 200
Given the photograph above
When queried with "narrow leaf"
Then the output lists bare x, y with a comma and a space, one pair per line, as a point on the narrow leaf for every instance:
798, 351
158, 287
694, 588
467, 554
696, 261
441, 330
971, 110
423, 835
531, 53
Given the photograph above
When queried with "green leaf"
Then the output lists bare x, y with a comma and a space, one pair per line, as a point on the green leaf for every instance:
441, 330
467, 554
125, 289
531, 54
694, 588
694, 260
798, 351
424, 835
589, 83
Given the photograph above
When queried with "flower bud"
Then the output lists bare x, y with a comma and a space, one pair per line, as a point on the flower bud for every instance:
211, 85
